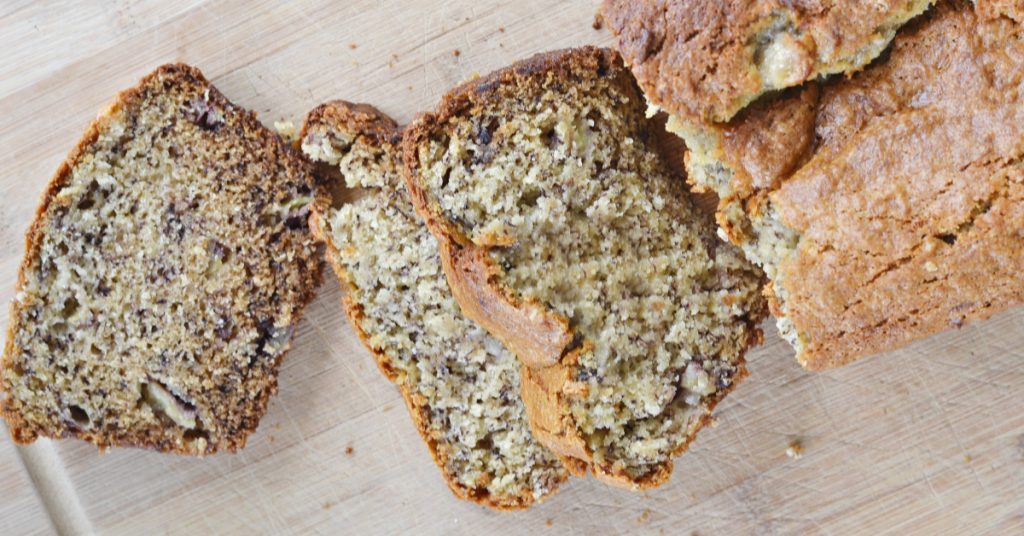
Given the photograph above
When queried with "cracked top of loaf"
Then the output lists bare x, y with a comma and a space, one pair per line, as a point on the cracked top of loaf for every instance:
702, 61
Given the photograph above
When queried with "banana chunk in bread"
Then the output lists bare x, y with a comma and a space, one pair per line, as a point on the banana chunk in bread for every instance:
461, 385
703, 61
888, 206
563, 234
164, 274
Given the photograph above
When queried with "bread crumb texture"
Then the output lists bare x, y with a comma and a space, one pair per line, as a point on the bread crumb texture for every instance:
887, 206
704, 61
549, 167
164, 275
462, 385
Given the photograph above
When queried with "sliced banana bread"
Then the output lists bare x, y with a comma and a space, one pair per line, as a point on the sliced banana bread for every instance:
461, 385
702, 61
890, 205
164, 274
563, 234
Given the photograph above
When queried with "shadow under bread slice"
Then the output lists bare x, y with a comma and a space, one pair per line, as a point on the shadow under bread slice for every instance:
562, 232
890, 205
460, 384
164, 274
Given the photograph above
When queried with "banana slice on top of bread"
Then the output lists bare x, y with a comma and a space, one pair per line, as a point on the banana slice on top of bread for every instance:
562, 233
460, 384
165, 272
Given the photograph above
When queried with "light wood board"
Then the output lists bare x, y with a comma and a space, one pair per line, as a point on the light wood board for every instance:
927, 440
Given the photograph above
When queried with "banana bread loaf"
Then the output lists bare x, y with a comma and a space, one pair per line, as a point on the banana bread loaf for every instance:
890, 205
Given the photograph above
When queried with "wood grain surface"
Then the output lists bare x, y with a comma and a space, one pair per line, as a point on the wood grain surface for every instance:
927, 440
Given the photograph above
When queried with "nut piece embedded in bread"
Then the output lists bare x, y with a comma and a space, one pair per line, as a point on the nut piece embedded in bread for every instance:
461, 385
563, 234
888, 206
164, 274
704, 61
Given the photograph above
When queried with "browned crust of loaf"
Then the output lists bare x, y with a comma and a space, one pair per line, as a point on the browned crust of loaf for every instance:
970, 284
692, 58
538, 337
991, 9
850, 296
20, 430
541, 338
368, 121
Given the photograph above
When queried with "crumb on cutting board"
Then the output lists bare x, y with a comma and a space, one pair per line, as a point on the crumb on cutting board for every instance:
795, 449
286, 129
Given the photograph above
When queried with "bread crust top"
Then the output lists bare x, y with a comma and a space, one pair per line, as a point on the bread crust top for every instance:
903, 182
704, 60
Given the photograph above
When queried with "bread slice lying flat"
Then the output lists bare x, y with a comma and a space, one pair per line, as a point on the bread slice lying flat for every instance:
702, 61
461, 385
164, 274
888, 206
563, 234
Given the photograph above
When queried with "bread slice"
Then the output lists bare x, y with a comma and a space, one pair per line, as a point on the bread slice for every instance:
703, 61
460, 384
563, 234
163, 276
888, 206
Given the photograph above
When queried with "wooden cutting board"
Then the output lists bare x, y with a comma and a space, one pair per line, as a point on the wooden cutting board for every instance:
927, 440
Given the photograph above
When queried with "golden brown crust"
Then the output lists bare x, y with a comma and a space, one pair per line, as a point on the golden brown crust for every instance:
354, 117
368, 121
529, 329
991, 9
907, 196
699, 60
544, 390
541, 338
177, 73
